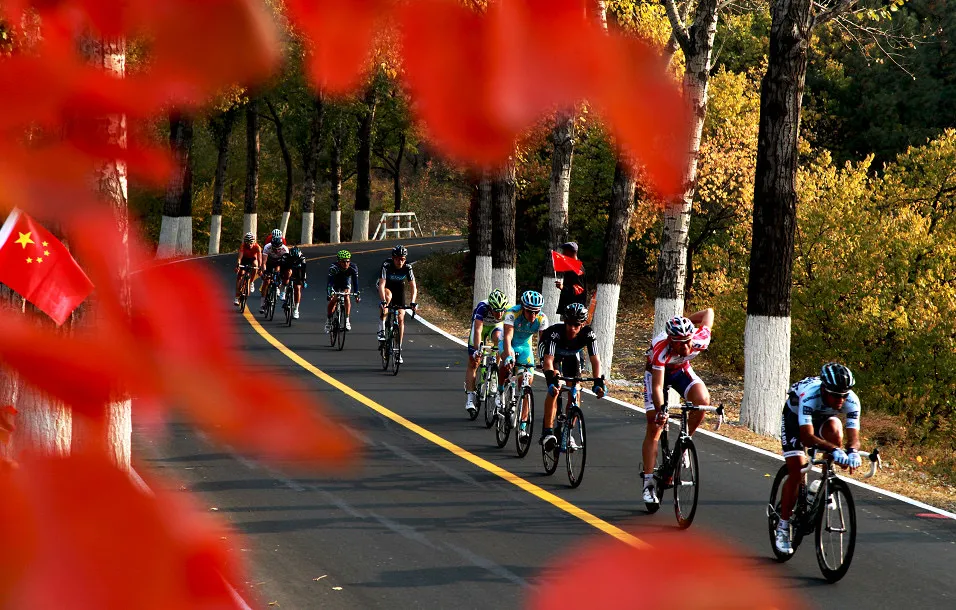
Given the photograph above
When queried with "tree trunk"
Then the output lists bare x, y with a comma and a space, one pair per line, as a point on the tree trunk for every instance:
503, 257
612, 263
10, 304
397, 175
599, 13
335, 223
185, 241
250, 218
563, 136
310, 161
767, 333
179, 189
287, 160
221, 127
483, 239
698, 44
363, 177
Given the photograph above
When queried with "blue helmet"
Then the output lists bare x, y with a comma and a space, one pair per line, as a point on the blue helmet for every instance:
531, 300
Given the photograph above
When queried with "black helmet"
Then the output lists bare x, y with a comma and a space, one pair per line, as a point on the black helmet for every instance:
399, 251
836, 378
295, 252
575, 312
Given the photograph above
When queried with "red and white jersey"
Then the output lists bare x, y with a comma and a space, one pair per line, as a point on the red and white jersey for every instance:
660, 356
273, 253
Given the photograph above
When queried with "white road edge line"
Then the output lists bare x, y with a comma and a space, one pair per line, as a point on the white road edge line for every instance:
236, 597
737, 443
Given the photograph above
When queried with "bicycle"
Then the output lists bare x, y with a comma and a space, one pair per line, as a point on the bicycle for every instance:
570, 430
679, 468
518, 388
825, 507
272, 295
486, 383
290, 302
391, 347
337, 329
245, 272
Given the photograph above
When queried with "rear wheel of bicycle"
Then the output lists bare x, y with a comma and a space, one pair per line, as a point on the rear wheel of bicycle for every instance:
503, 421
836, 531
550, 458
489, 389
663, 454
686, 483
576, 454
523, 441
396, 351
773, 517
340, 317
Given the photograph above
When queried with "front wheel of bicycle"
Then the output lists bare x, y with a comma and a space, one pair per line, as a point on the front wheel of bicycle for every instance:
396, 351
488, 390
333, 328
289, 306
836, 531
341, 328
686, 482
773, 517
576, 454
550, 458
523, 437
385, 348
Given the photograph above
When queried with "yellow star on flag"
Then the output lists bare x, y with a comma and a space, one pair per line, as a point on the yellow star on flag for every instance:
45, 244
40, 260
46, 253
25, 239
29, 260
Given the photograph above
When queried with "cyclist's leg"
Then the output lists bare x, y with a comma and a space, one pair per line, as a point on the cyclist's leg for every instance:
696, 392
383, 312
298, 288
653, 432
401, 325
796, 457
523, 356
331, 306
348, 301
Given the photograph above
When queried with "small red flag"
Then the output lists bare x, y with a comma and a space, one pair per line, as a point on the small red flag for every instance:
40, 268
566, 263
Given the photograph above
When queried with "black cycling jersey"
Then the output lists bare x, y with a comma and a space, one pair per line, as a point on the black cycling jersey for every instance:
297, 265
343, 279
394, 277
555, 343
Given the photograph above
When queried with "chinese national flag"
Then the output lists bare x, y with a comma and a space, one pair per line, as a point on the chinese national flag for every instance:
566, 263
40, 268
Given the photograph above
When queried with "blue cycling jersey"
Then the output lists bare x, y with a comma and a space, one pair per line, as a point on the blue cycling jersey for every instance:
524, 329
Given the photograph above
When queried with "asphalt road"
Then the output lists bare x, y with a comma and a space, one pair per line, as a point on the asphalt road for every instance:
422, 523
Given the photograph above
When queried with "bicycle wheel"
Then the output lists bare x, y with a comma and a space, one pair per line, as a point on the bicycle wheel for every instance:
273, 297
489, 389
576, 454
686, 482
340, 322
550, 458
503, 421
385, 347
243, 294
396, 351
660, 483
333, 328
836, 531
523, 444
773, 517
289, 305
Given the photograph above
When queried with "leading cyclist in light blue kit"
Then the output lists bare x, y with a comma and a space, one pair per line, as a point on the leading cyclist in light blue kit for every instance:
521, 323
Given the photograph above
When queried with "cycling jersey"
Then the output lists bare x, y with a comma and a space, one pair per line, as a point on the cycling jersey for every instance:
489, 324
396, 277
558, 345
524, 329
249, 253
296, 265
341, 279
659, 356
273, 255
805, 400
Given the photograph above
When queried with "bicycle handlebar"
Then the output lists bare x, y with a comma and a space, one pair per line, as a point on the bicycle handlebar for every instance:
580, 379
876, 462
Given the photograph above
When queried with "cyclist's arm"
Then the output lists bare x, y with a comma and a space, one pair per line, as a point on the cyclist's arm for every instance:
852, 441
657, 387
547, 363
414, 284
509, 334
704, 317
595, 365
809, 439
476, 326
355, 280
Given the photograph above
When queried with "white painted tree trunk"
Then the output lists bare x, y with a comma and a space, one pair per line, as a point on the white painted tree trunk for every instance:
766, 372
250, 224
360, 225
43, 426
335, 227
307, 221
664, 310
551, 296
215, 233
506, 280
482, 279
284, 225
184, 245
10, 305
168, 238
604, 323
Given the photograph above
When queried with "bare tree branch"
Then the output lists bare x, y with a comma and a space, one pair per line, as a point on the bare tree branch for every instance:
829, 13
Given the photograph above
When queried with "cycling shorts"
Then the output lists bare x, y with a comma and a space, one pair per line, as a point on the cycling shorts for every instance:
682, 380
250, 262
790, 431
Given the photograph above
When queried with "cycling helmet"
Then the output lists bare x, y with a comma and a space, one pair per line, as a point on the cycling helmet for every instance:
295, 252
399, 251
575, 312
249, 238
344, 255
276, 241
836, 378
531, 300
276, 233
497, 300
679, 326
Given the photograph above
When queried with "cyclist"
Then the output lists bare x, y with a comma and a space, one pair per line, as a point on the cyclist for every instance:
522, 322
562, 342
391, 289
343, 275
271, 255
668, 364
485, 324
811, 419
250, 254
292, 265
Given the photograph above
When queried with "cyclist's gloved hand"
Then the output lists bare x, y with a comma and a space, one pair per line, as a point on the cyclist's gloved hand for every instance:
660, 416
383, 303
473, 351
840, 457
854, 459
599, 388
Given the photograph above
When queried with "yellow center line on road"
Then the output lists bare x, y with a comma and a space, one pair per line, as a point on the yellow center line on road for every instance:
482, 463
354, 252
